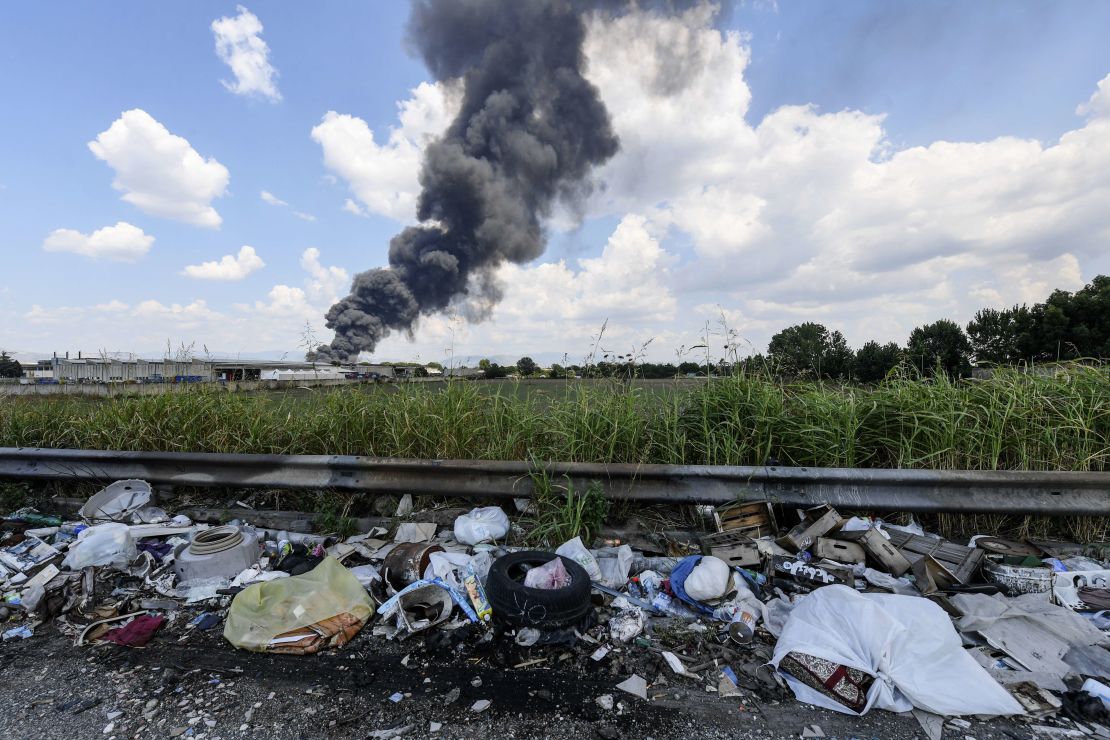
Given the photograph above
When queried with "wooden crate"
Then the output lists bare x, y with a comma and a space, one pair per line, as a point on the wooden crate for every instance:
818, 521
839, 550
961, 563
879, 549
734, 548
752, 518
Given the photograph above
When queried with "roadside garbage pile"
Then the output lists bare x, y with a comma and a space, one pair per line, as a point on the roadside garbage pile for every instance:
846, 613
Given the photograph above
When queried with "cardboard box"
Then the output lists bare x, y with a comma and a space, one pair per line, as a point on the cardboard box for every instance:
818, 521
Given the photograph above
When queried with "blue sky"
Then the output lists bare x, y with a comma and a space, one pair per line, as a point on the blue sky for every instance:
942, 69
900, 74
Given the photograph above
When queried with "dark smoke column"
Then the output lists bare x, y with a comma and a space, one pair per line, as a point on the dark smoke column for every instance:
530, 130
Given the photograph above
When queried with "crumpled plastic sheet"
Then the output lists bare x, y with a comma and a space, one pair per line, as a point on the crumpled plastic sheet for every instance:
264, 610
778, 611
450, 566
103, 544
1036, 633
627, 624
615, 566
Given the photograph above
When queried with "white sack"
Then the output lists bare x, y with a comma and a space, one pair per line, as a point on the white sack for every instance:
709, 580
484, 524
906, 642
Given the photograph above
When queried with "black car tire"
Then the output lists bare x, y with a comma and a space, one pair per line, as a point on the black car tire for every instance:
519, 606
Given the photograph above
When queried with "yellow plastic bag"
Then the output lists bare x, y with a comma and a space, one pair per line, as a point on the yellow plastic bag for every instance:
261, 612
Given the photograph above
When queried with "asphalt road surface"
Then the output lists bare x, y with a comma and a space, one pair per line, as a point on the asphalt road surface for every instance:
187, 683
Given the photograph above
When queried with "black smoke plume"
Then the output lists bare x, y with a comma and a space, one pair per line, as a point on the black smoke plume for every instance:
530, 130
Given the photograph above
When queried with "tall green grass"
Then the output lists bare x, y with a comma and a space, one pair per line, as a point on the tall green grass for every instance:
1011, 421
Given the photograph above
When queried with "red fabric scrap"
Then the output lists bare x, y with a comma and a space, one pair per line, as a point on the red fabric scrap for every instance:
135, 633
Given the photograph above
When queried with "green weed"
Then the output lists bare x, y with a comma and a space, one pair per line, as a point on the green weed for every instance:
559, 513
1013, 421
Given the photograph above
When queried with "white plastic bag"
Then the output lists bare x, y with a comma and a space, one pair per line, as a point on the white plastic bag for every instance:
856, 524
481, 563
576, 551
615, 567
877, 578
548, 576
484, 524
908, 643
104, 544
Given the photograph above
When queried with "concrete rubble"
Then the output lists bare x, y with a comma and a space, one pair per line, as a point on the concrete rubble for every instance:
849, 614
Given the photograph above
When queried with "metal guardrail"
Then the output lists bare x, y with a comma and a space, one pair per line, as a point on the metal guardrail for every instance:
957, 491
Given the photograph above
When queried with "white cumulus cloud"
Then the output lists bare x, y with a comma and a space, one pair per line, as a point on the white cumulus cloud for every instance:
801, 215
160, 173
123, 242
240, 46
627, 282
325, 284
813, 215
384, 177
228, 267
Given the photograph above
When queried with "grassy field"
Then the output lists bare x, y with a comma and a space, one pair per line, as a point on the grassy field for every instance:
1012, 421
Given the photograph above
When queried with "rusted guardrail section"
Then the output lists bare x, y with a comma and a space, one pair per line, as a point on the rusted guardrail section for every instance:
1008, 492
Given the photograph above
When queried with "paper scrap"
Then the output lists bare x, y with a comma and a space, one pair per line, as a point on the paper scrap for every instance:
635, 685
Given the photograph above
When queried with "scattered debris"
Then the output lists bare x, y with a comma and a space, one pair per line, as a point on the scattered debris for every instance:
847, 614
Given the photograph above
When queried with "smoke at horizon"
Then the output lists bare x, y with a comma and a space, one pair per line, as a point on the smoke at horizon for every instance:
530, 130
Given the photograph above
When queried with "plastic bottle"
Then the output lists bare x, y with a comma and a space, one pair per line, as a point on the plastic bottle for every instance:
667, 604
651, 582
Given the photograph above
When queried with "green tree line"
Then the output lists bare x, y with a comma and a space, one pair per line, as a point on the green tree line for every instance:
1067, 326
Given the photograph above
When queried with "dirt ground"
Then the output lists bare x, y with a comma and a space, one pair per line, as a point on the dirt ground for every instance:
188, 683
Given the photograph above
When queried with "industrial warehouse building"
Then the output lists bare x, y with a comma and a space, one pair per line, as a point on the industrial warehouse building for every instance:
194, 370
